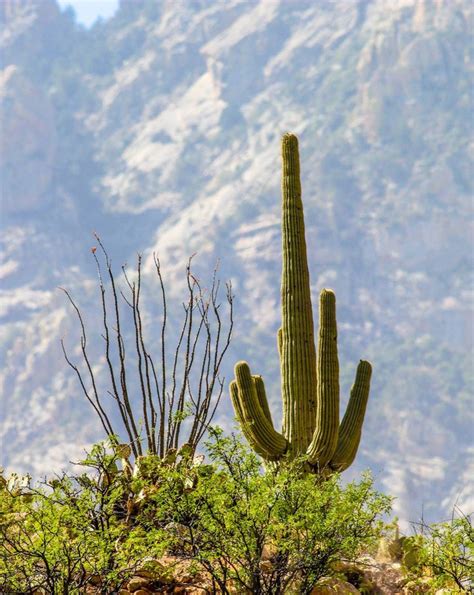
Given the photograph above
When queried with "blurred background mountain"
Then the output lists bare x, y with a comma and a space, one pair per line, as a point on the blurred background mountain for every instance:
159, 128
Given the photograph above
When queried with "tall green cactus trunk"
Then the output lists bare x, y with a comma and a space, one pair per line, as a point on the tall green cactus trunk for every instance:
310, 383
297, 353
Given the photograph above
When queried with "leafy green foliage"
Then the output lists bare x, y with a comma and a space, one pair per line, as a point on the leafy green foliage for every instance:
444, 551
274, 532
71, 532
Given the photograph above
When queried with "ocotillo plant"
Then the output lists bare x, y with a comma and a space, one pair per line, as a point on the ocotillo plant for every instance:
172, 392
310, 382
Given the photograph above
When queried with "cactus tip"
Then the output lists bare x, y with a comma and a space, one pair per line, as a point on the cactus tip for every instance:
327, 294
241, 366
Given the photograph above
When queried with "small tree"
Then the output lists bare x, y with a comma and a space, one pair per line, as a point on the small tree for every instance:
272, 533
178, 385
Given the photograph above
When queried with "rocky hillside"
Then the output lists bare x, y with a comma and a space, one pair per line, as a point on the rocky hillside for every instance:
160, 129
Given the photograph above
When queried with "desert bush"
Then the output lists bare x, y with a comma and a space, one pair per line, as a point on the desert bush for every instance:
165, 394
273, 532
444, 552
71, 531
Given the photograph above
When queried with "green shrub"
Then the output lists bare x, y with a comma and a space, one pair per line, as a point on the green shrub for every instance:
443, 551
273, 532
71, 532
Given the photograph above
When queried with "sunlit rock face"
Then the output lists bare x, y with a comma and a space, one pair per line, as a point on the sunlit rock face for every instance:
27, 122
15, 12
26, 26
27, 116
160, 130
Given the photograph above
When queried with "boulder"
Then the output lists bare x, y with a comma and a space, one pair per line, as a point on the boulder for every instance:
138, 582
333, 586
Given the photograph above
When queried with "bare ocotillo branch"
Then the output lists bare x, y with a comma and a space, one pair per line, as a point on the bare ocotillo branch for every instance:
175, 391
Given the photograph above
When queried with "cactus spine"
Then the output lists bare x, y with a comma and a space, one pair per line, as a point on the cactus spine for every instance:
309, 382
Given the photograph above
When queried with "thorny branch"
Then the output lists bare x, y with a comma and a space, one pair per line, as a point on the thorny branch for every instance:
177, 390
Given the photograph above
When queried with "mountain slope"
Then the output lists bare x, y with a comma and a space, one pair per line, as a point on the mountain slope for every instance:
160, 129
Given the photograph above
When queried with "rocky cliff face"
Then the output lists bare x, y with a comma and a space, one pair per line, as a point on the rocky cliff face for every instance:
27, 121
160, 129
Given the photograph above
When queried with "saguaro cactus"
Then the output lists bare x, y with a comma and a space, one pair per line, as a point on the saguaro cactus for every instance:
309, 382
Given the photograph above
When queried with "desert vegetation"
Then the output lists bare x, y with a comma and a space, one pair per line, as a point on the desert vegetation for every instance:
186, 525
170, 503
186, 386
234, 528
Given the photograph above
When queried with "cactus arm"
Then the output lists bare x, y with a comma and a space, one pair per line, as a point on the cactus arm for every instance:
326, 432
297, 349
245, 427
280, 341
254, 419
351, 426
262, 397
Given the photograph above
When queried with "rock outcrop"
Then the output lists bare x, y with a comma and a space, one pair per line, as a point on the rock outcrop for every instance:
28, 143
